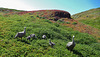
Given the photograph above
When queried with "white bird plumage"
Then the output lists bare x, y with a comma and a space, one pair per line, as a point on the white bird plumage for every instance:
28, 38
71, 45
21, 34
51, 43
44, 36
33, 36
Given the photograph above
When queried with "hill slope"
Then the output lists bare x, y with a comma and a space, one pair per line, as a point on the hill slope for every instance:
90, 17
62, 16
86, 45
6, 10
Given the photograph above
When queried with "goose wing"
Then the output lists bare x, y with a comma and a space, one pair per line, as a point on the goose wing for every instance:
69, 44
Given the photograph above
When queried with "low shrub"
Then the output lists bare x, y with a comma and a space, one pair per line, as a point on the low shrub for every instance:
74, 23
68, 22
60, 21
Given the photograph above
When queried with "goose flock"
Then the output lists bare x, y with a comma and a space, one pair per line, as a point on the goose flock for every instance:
69, 46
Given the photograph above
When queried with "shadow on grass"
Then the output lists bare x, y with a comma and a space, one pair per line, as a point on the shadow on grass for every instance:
77, 53
23, 41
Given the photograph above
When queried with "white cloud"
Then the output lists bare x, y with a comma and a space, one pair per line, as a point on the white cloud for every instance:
15, 4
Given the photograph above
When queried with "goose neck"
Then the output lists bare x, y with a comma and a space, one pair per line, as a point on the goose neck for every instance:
73, 39
24, 30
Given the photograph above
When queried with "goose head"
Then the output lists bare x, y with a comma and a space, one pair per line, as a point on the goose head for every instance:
73, 36
24, 27
49, 40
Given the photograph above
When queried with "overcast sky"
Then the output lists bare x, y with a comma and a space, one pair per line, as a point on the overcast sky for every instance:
72, 6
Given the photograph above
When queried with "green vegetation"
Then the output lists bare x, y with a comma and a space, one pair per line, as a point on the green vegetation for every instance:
74, 23
92, 22
6, 10
86, 45
68, 22
90, 17
61, 21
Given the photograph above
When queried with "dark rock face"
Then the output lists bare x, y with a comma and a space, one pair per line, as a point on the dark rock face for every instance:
49, 13
62, 14
55, 13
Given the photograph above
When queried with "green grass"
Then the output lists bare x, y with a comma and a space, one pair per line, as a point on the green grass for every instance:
92, 22
74, 23
67, 22
6, 10
60, 35
90, 17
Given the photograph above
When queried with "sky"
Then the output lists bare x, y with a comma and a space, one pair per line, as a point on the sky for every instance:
72, 6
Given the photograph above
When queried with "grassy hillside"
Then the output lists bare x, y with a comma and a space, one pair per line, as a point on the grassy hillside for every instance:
90, 17
86, 45
6, 11
65, 19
